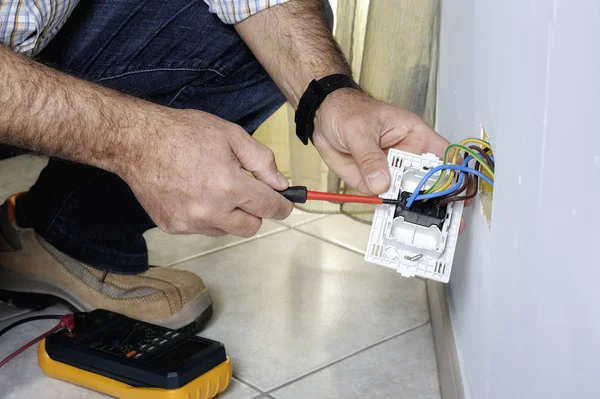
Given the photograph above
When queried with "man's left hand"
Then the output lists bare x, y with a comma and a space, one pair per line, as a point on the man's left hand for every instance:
353, 132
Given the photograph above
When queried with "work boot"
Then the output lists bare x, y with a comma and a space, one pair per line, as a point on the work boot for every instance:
34, 274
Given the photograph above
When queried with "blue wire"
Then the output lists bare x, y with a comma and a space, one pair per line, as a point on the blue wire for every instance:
461, 177
453, 188
415, 195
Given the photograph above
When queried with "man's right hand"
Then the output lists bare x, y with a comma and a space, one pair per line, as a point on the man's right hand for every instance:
188, 169
194, 178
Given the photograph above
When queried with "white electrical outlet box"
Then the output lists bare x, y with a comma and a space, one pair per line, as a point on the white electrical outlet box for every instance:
413, 248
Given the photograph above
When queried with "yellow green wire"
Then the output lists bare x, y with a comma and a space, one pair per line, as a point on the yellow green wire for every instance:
482, 143
436, 186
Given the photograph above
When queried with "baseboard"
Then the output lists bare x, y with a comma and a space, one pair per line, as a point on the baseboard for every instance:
451, 382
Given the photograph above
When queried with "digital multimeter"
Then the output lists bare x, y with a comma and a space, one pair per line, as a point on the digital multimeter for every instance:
126, 358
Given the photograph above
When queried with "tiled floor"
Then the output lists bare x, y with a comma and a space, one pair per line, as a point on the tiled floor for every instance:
299, 311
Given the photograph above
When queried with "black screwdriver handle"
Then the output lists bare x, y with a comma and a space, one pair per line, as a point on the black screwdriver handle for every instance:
296, 194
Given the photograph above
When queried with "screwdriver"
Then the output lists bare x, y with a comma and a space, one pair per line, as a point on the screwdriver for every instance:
301, 194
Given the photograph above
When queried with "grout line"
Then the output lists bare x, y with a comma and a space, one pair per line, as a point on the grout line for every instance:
337, 244
228, 246
424, 280
22, 313
291, 226
357, 352
260, 391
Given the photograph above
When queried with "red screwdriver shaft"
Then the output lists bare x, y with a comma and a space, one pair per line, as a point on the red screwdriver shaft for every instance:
333, 197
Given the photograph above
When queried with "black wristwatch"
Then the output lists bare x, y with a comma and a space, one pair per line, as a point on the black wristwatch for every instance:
312, 98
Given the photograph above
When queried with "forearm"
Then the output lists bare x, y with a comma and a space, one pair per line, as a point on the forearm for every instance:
49, 112
293, 44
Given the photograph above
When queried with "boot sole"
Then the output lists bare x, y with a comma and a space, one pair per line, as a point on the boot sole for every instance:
34, 293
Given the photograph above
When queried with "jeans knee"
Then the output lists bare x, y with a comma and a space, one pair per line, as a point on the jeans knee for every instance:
329, 17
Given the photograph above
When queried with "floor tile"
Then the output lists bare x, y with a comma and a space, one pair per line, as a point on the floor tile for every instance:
342, 230
289, 303
7, 311
22, 377
166, 250
19, 173
403, 367
299, 217
238, 390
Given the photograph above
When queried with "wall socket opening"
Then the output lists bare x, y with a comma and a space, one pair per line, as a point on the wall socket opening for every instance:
486, 192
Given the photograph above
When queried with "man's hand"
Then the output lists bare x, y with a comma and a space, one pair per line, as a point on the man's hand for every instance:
189, 169
196, 179
353, 132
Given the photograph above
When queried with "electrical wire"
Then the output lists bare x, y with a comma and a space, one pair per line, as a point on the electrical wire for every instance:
481, 142
27, 320
449, 191
65, 322
485, 155
455, 158
416, 196
454, 197
29, 344
460, 186
466, 197
438, 185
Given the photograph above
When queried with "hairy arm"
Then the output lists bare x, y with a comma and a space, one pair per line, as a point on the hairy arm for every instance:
187, 168
352, 129
293, 43
53, 113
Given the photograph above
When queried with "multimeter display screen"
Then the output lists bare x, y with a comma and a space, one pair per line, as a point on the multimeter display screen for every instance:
179, 354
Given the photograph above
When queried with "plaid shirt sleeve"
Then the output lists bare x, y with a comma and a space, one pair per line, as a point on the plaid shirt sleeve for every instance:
234, 11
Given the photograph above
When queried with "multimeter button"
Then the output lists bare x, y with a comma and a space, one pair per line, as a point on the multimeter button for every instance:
156, 340
143, 347
175, 335
150, 349
132, 353
164, 341
139, 355
168, 333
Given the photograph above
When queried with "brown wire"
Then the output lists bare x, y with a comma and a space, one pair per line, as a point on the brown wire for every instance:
454, 197
485, 155
462, 188
472, 195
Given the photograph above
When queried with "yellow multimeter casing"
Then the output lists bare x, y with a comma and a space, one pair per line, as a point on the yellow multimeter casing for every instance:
128, 359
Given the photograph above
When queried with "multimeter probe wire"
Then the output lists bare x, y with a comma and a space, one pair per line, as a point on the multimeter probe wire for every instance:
28, 320
65, 322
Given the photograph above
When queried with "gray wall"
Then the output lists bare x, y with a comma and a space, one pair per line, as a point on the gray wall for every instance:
524, 294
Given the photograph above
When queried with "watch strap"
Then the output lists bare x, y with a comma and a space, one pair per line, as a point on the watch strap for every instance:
312, 99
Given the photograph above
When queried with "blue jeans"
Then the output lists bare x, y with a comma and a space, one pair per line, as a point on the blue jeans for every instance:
173, 53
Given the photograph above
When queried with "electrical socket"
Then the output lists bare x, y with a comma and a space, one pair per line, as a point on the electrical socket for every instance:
413, 249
